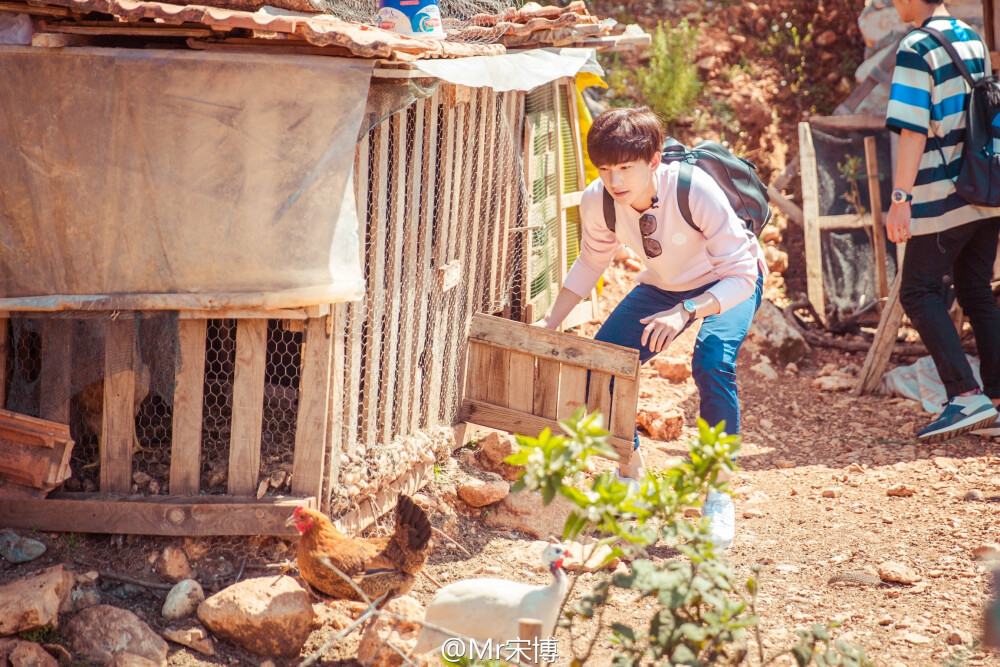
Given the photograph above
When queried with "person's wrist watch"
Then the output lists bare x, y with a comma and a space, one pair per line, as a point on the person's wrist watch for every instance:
691, 308
900, 196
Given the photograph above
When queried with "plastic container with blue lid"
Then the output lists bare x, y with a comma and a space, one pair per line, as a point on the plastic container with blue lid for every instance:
413, 18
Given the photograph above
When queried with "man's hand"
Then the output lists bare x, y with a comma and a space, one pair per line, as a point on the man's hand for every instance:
663, 327
545, 323
897, 223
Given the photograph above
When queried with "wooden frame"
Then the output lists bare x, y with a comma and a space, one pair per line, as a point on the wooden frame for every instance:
524, 379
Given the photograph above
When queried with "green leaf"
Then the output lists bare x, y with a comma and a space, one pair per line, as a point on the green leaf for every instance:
623, 631
683, 655
819, 632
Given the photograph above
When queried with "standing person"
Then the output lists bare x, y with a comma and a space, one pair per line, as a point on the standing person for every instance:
948, 241
713, 273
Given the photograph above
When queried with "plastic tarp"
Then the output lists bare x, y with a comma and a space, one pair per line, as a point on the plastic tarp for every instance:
523, 70
921, 382
169, 179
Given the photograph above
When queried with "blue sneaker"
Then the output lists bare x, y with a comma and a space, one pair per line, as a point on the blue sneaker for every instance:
961, 414
721, 515
991, 430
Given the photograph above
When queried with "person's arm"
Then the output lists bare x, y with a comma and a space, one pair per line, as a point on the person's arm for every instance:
908, 154
562, 307
663, 327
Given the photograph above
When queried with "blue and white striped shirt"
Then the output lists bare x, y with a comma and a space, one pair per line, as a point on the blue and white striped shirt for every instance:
930, 96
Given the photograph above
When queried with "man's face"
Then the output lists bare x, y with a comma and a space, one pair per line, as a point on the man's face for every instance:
627, 182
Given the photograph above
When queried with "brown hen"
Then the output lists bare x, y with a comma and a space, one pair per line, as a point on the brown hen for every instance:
379, 566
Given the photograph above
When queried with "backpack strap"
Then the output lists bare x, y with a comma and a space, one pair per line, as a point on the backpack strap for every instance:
960, 65
609, 210
684, 175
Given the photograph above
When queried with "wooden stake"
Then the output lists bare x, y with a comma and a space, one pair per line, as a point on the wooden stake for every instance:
810, 219
878, 228
885, 337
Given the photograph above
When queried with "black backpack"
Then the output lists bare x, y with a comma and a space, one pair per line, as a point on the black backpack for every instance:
737, 178
978, 180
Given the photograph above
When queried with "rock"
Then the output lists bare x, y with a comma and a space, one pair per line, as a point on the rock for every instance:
834, 492
792, 367
373, 650
885, 620
989, 551
183, 600
82, 596
268, 616
195, 638
826, 39
59, 652
493, 449
480, 493
784, 464
899, 573
17, 549
173, 565
672, 368
834, 383
708, 64
959, 637
763, 368
776, 260
21, 653
101, 632
901, 490
131, 660
661, 426
598, 560
34, 601
752, 514
525, 512
338, 614
914, 638
774, 337
692, 512
973, 495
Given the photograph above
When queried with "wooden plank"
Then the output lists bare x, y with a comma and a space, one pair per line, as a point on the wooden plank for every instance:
991, 24
385, 500
309, 461
118, 413
154, 515
623, 407
387, 403
574, 128
878, 227
476, 375
57, 368
4, 347
571, 199
845, 221
599, 394
248, 407
572, 390
506, 209
412, 298
860, 122
375, 298
189, 394
521, 382
338, 401
810, 219
555, 346
509, 420
498, 375
523, 285
34, 453
562, 241
354, 355
885, 337
545, 402
425, 254
491, 189
19, 8
785, 205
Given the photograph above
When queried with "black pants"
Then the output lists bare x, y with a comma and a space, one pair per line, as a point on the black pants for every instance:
963, 256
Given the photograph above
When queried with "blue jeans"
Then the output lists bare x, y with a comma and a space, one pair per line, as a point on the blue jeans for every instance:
713, 365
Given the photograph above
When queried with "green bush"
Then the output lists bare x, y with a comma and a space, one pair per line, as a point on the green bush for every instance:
669, 84
703, 613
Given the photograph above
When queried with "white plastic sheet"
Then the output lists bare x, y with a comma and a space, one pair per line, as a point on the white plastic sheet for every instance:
921, 382
523, 70
169, 179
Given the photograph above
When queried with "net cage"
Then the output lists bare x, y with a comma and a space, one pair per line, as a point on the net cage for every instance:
848, 255
449, 232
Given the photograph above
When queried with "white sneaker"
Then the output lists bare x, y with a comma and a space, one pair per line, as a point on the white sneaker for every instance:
721, 515
632, 482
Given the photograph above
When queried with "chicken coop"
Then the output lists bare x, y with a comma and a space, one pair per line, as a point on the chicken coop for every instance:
242, 265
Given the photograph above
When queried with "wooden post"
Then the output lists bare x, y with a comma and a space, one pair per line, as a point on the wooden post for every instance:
878, 228
530, 629
4, 345
354, 356
118, 414
314, 405
185, 447
885, 338
57, 367
248, 407
528, 205
810, 219
563, 252
375, 298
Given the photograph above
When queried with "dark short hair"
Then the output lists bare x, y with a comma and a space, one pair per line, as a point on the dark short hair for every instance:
624, 135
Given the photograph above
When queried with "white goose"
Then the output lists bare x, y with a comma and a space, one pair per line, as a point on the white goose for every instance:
490, 608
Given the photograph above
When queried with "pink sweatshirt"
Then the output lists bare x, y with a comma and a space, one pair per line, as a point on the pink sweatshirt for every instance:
726, 251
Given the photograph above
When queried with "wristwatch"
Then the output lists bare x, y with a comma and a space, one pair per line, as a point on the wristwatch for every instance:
900, 197
690, 308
